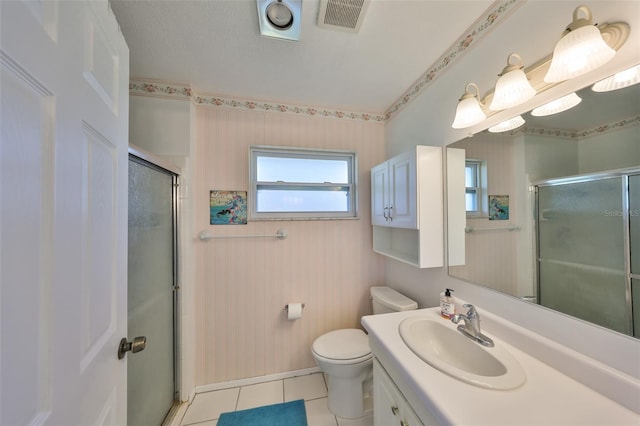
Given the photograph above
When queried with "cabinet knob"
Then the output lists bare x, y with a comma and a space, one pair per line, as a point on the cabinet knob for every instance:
394, 410
404, 423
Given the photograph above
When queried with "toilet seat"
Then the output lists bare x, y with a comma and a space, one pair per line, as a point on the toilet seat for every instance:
346, 346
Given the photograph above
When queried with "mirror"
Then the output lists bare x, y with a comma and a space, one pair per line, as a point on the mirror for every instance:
505, 239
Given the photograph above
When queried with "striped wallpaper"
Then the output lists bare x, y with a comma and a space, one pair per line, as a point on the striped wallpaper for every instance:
242, 285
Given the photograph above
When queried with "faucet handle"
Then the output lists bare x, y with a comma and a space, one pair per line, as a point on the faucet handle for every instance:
471, 313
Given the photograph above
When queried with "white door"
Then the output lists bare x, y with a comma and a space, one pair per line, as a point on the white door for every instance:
63, 213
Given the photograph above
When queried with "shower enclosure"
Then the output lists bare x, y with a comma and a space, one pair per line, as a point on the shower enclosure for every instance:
588, 248
152, 289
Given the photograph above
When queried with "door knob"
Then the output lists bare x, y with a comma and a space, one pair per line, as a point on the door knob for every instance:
138, 344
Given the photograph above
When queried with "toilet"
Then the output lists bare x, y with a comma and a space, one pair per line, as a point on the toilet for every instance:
345, 358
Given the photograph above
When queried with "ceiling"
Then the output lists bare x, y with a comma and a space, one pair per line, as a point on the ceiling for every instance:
216, 47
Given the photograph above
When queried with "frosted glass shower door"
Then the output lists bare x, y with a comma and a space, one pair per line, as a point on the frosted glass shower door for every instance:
581, 251
151, 274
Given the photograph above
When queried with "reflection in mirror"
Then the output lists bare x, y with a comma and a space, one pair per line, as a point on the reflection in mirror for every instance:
502, 250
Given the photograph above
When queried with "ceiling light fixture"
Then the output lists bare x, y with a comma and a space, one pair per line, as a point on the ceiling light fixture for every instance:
561, 104
513, 87
580, 50
280, 18
505, 126
620, 80
469, 110
279, 15
517, 85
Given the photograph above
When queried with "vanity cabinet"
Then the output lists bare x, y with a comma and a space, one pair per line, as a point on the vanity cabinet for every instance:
407, 207
389, 406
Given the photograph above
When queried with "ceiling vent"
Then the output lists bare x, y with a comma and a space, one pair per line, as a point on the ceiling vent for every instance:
343, 15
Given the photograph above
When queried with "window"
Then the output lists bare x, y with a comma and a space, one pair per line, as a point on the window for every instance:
290, 183
475, 172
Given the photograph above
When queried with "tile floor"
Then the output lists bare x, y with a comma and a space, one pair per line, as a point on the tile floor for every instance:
207, 407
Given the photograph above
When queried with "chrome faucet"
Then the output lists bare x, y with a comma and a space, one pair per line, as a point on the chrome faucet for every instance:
471, 327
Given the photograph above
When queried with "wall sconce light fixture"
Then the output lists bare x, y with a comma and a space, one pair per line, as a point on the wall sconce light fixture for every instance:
469, 111
582, 48
513, 87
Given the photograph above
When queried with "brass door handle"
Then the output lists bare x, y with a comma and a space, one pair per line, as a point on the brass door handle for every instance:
136, 345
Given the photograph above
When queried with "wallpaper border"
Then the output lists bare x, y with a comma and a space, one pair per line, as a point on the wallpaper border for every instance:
177, 91
478, 30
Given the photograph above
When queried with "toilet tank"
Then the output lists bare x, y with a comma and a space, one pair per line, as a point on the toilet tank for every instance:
386, 299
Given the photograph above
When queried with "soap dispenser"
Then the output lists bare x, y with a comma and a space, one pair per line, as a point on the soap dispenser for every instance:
447, 304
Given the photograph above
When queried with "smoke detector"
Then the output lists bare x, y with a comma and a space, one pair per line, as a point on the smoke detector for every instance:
280, 18
342, 15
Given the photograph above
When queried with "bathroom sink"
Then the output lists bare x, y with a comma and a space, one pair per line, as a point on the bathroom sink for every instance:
439, 344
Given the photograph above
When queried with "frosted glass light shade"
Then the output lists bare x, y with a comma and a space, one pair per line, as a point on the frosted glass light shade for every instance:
510, 124
558, 105
469, 111
578, 52
620, 80
513, 87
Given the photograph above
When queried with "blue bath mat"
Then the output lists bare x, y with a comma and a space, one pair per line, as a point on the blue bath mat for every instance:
289, 414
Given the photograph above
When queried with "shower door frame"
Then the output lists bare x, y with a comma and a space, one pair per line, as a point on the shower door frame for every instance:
153, 161
591, 177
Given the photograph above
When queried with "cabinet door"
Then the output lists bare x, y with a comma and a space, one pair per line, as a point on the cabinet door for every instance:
387, 400
380, 194
402, 170
409, 417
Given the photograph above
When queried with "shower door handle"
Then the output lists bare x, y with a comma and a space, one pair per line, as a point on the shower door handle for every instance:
136, 345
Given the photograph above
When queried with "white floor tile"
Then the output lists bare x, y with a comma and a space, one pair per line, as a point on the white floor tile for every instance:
307, 387
318, 413
362, 421
260, 394
209, 405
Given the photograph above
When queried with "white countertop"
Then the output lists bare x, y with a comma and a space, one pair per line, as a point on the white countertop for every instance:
548, 397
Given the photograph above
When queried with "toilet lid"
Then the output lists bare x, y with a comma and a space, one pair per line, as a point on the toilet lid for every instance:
349, 343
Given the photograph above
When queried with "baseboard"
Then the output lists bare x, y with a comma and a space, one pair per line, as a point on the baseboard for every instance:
256, 380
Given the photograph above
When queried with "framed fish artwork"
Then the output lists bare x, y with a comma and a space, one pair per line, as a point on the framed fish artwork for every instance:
228, 207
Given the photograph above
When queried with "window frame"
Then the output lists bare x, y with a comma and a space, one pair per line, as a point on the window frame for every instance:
480, 189
303, 153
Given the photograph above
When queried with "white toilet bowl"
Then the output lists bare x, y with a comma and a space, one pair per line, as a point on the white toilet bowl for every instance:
344, 356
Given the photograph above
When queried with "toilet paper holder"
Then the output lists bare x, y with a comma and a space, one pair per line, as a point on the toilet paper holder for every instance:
286, 307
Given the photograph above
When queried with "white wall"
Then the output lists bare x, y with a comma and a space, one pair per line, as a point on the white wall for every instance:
610, 150
550, 157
